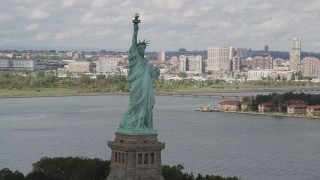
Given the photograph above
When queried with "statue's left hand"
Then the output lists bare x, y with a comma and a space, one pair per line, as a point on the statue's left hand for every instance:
154, 71
157, 73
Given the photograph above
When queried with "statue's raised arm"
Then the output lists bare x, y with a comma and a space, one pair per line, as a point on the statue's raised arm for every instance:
135, 22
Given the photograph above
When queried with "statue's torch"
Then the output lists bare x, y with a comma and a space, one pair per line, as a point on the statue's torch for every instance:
136, 19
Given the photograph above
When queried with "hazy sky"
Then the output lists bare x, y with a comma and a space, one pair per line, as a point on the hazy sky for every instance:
169, 24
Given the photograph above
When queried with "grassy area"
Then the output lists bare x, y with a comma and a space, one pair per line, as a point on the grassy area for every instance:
160, 86
37, 92
13, 84
200, 87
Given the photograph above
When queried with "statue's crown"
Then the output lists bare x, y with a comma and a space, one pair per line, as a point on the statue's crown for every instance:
143, 43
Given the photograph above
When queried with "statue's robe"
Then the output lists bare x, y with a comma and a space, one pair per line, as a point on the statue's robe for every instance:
138, 117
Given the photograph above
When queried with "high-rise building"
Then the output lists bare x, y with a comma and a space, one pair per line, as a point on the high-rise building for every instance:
78, 55
162, 56
242, 53
236, 63
295, 55
260, 62
311, 67
219, 58
191, 64
183, 63
182, 50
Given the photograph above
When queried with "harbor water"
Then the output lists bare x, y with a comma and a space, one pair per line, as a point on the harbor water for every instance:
228, 144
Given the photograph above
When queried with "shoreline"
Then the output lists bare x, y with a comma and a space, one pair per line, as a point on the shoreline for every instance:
160, 93
273, 114
208, 94
63, 95
224, 93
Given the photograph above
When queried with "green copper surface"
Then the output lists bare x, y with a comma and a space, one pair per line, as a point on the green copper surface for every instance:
138, 118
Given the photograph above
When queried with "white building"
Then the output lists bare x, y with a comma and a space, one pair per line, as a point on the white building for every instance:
107, 67
17, 64
75, 54
269, 73
259, 74
295, 55
162, 56
219, 58
8, 55
78, 67
191, 64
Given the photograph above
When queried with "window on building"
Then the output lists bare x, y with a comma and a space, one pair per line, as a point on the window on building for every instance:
146, 159
139, 158
152, 158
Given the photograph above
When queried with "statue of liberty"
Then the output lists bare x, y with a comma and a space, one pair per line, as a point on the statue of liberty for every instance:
138, 118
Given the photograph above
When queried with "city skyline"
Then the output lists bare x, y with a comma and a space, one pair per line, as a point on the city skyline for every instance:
170, 25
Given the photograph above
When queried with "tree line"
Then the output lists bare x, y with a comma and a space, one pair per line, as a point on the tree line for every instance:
40, 79
85, 83
118, 83
80, 168
278, 101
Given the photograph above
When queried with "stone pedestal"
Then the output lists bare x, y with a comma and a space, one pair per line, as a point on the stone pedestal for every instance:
135, 157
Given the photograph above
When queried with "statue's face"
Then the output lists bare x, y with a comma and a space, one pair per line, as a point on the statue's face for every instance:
141, 50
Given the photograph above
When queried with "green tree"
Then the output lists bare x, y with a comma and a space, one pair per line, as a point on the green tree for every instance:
101, 76
49, 80
262, 98
84, 80
39, 175
76, 168
299, 75
276, 101
41, 74
71, 168
182, 74
7, 174
175, 172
